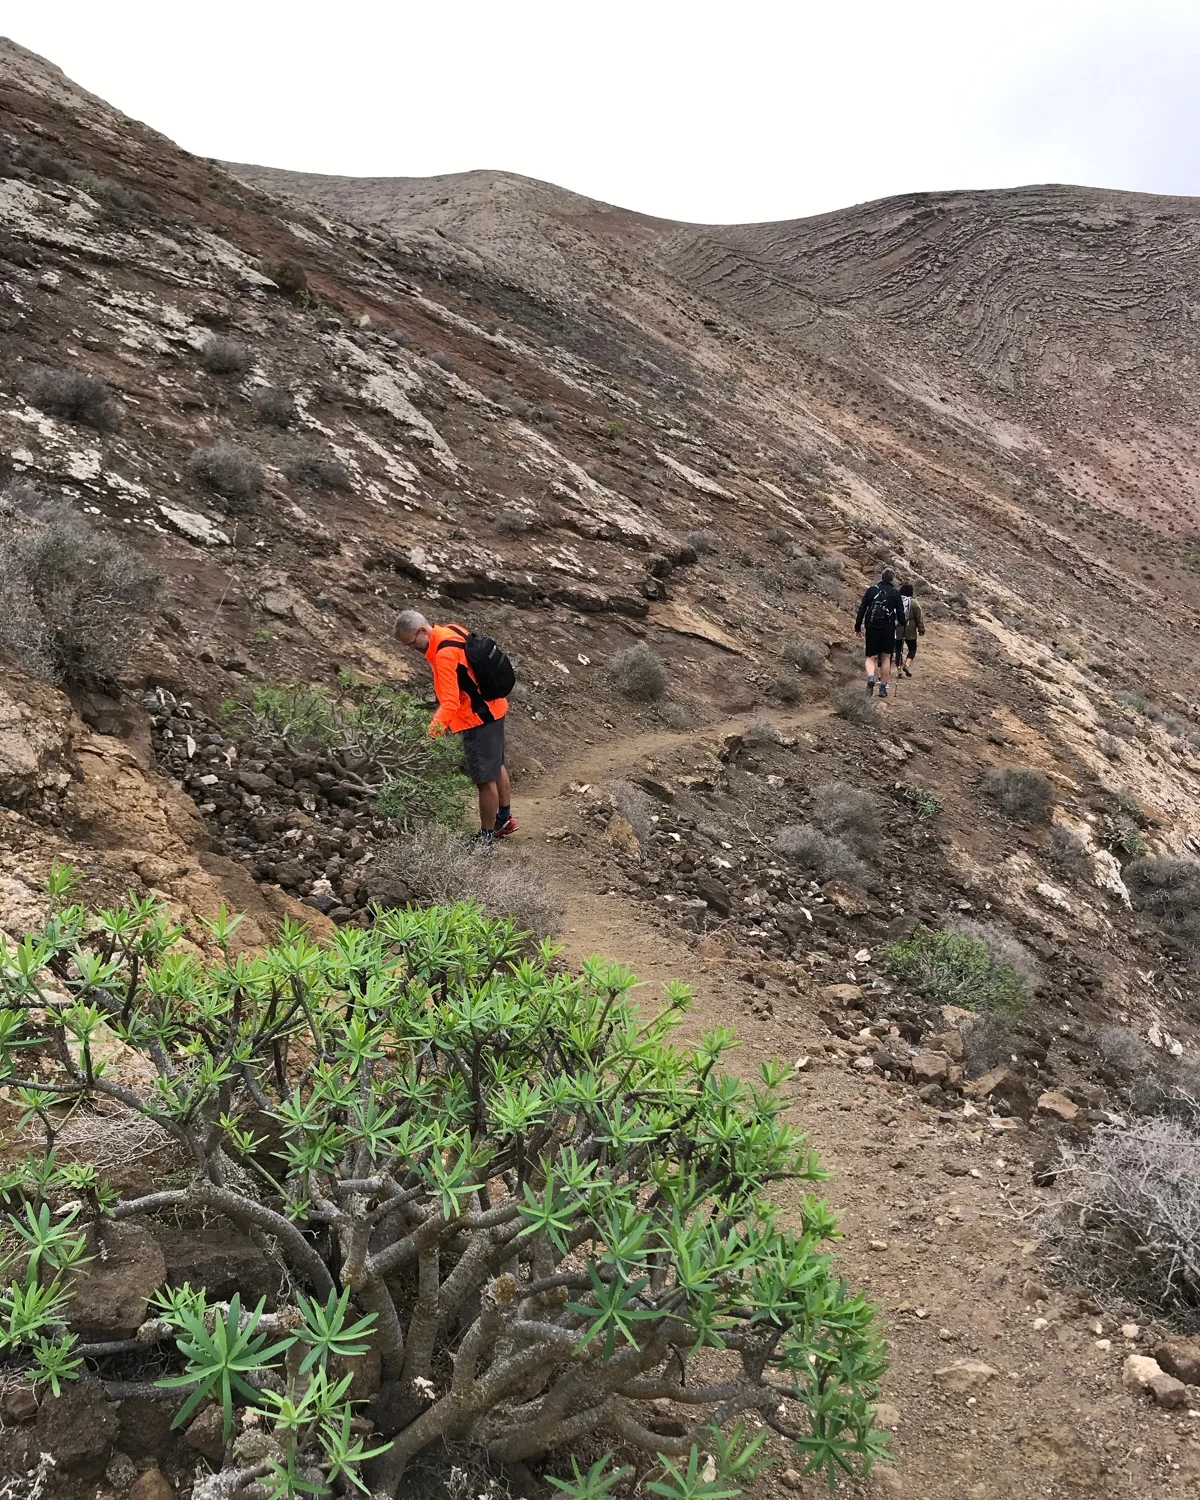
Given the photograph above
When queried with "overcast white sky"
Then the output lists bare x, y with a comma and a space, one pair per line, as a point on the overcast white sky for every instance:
721, 112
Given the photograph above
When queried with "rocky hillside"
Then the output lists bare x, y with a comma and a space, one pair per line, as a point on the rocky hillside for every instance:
303, 403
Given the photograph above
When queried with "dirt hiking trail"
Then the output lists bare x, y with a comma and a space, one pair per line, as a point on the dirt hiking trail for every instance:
937, 1210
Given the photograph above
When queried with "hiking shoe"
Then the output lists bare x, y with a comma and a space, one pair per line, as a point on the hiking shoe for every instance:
870, 685
484, 839
883, 692
907, 671
506, 829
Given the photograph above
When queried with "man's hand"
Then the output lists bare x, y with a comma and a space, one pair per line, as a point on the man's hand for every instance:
858, 631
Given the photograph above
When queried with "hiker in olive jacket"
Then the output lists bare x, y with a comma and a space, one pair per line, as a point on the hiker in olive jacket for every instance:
907, 633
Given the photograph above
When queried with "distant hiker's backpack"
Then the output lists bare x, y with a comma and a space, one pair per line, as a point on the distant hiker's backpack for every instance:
906, 600
880, 614
489, 666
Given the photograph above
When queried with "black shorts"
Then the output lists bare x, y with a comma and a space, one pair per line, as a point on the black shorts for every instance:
880, 642
483, 751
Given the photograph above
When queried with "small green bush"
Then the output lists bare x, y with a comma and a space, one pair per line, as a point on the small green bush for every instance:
381, 732
947, 968
924, 803
500, 1174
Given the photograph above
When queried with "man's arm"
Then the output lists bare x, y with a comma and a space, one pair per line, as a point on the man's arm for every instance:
445, 685
862, 609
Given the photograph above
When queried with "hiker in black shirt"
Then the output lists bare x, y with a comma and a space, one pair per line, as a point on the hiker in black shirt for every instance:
882, 614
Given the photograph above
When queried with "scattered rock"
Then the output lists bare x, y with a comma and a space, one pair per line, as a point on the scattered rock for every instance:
111, 1292
1058, 1105
1168, 1391
846, 995
152, 1485
849, 899
949, 1042
965, 1375
1138, 1372
19, 1403
206, 1433
620, 835
930, 1067
1180, 1357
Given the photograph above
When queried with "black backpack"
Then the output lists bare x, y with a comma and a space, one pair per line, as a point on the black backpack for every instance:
880, 613
489, 666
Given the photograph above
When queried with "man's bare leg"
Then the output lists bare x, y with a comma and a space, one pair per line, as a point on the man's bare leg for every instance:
489, 804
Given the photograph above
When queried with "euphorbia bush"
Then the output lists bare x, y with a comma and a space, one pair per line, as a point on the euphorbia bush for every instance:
502, 1175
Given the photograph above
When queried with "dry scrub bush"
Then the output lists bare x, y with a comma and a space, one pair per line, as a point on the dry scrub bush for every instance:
828, 858
222, 356
1069, 852
635, 806
445, 362
503, 1177
761, 731
804, 654
445, 867
829, 587
855, 705
1126, 1221
1168, 890
1024, 795
76, 602
703, 543
831, 564
229, 471
843, 812
785, 687
316, 471
74, 396
274, 406
638, 674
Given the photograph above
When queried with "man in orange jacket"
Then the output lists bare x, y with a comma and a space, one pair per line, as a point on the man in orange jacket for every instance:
463, 710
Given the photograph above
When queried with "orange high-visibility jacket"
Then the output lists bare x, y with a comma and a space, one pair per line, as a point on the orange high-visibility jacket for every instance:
460, 703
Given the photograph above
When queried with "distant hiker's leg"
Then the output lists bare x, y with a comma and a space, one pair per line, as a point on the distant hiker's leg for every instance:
885, 669
489, 804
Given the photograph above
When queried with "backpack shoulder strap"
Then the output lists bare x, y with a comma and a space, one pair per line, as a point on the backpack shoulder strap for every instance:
454, 641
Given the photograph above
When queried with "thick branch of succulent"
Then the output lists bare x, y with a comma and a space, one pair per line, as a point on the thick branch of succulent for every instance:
537, 1208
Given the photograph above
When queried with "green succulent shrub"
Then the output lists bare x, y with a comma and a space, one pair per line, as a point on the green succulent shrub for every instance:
381, 736
950, 968
500, 1174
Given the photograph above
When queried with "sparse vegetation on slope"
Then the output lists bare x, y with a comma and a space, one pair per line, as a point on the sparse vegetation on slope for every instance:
76, 601
504, 1104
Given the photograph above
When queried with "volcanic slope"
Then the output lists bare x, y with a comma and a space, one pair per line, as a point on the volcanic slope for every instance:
584, 430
